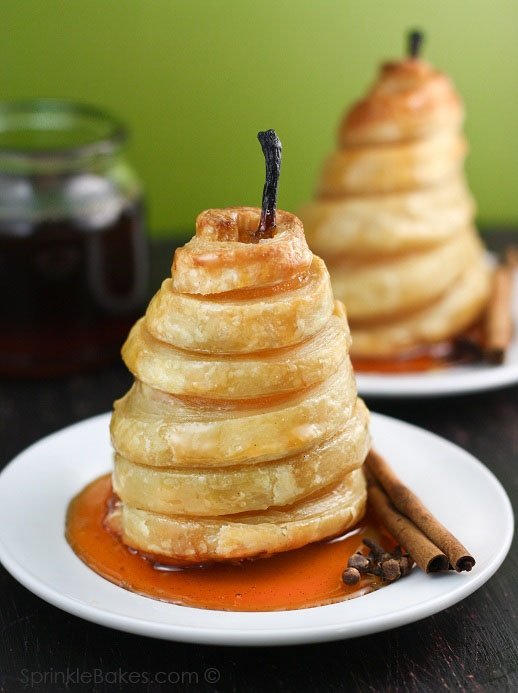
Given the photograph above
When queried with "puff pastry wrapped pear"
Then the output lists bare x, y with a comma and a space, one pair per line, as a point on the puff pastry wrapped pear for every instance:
393, 216
242, 434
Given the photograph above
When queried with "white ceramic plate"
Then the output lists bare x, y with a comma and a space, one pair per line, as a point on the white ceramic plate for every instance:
36, 487
450, 381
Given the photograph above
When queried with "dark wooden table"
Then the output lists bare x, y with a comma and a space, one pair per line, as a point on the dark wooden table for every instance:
471, 646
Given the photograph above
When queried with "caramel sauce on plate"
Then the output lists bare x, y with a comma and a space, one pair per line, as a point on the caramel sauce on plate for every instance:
302, 578
414, 364
455, 352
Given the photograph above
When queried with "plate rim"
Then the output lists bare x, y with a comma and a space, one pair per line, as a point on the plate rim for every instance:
267, 635
425, 386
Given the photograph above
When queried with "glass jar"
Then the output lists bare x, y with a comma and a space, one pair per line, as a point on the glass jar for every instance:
73, 253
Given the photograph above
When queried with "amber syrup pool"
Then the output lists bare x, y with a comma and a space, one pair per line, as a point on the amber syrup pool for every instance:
460, 351
306, 577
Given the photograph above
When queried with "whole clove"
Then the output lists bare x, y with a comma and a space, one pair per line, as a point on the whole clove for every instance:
351, 576
405, 565
398, 552
390, 570
376, 551
387, 565
360, 562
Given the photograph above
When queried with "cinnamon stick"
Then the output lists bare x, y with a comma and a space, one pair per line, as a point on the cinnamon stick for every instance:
424, 552
511, 256
498, 326
414, 511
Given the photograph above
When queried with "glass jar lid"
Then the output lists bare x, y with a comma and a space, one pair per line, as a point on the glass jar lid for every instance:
50, 135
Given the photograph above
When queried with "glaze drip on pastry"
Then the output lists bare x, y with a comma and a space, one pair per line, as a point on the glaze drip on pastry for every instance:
242, 435
393, 217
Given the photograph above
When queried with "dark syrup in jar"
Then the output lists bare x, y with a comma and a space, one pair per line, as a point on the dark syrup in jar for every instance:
73, 261
71, 288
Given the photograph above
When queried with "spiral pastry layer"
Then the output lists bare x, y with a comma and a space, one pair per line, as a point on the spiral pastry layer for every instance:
242, 434
393, 216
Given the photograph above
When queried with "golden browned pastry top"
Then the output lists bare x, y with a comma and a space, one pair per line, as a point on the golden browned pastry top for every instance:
225, 254
410, 99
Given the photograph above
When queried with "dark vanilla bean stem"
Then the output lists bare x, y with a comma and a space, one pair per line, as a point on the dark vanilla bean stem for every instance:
272, 150
415, 42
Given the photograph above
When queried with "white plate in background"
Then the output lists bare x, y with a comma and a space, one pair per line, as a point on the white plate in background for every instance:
454, 380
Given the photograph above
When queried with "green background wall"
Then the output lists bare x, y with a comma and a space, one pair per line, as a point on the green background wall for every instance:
196, 79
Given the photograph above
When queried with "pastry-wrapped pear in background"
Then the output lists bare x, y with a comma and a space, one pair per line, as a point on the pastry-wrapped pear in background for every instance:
242, 434
393, 217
